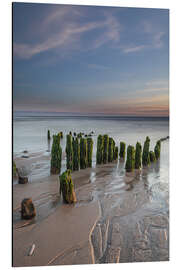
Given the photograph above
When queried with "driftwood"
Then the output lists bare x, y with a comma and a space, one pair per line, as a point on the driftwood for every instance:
32, 250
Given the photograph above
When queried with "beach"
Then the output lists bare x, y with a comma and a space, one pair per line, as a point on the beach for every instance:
118, 217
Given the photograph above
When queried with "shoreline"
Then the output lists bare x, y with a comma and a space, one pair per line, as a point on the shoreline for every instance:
105, 212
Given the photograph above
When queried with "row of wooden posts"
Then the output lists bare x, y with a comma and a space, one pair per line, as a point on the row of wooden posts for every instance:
79, 153
79, 156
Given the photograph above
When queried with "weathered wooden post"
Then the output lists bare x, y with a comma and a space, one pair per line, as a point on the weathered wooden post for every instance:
69, 152
111, 150
122, 151
99, 153
145, 155
157, 149
105, 148
130, 161
48, 135
61, 134
116, 153
67, 187
56, 154
138, 156
14, 169
76, 154
83, 153
89, 152
152, 156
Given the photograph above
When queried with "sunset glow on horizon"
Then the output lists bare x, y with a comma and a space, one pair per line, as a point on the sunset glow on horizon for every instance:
90, 60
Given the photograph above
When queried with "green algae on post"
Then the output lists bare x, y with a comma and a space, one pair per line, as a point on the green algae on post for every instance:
105, 148
111, 150
69, 152
130, 161
145, 155
83, 153
122, 151
89, 152
56, 154
115, 157
157, 149
14, 169
67, 187
99, 153
138, 156
48, 135
152, 156
76, 154
61, 134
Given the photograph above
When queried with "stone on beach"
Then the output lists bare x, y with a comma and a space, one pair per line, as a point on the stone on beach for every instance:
27, 209
22, 179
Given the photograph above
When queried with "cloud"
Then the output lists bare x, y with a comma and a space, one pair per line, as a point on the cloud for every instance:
112, 33
61, 39
134, 49
69, 34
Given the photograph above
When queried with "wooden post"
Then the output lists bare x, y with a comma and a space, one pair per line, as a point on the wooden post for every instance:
56, 154
122, 151
76, 154
48, 135
145, 155
99, 153
89, 152
111, 150
83, 153
105, 148
130, 161
157, 149
152, 156
69, 152
138, 156
67, 187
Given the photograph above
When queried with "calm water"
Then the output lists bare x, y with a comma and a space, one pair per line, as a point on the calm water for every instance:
30, 133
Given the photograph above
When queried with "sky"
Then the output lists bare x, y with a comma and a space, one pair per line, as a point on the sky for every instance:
90, 60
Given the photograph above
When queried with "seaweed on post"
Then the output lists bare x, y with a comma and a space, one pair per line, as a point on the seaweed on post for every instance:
105, 148
83, 153
122, 151
69, 152
152, 156
61, 135
130, 161
99, 153
48, 135
157, 149
145, 155
76, 154
115, 153
56, 154
67, 187
111, 150
14, 169
89, 152
138, 156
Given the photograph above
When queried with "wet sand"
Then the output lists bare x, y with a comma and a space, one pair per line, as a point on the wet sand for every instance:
118, 217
